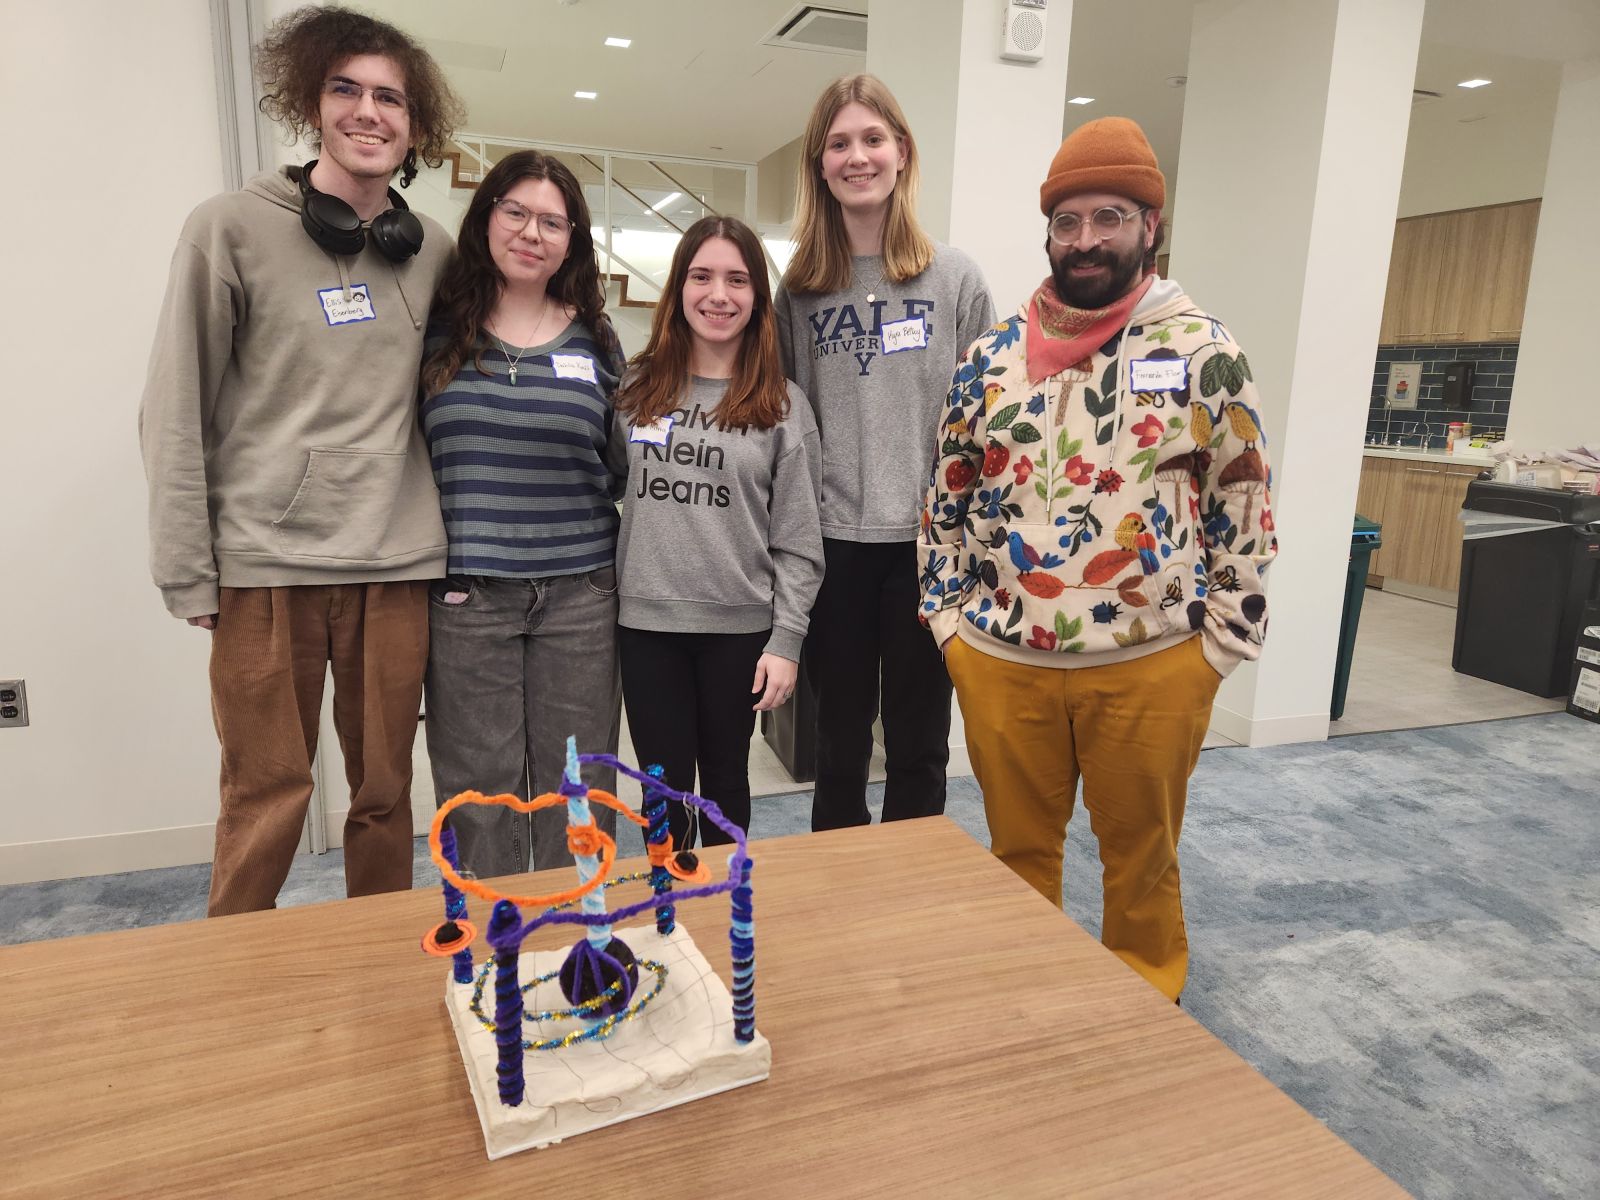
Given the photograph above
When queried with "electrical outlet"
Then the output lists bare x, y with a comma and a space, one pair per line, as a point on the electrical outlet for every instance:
13, 703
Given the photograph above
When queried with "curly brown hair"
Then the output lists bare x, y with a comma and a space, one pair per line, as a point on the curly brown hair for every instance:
301, 50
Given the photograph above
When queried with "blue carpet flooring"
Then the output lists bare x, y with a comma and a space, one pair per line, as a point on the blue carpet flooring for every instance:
1401, 930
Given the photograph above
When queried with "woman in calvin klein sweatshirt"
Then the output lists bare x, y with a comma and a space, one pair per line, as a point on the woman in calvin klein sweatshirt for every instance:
720, 553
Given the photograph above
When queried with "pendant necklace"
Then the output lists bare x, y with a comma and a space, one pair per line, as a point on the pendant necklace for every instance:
512, 363
872, 290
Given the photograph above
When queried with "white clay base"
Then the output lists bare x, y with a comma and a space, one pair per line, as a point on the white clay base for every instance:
681, 1048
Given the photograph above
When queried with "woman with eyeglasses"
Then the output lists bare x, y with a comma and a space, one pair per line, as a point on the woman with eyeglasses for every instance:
721, 550
518, 376
872, 318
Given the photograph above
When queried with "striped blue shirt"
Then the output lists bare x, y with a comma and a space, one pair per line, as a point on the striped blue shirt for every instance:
521, 467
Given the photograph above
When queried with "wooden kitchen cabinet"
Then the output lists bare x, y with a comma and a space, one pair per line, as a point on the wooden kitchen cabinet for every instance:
1460, 276
1417, 502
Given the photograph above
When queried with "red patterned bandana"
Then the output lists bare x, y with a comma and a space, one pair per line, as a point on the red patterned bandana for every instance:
1060, 336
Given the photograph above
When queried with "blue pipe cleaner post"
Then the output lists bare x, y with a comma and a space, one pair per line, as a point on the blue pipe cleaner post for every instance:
655, 811
742, 939
455, 905
505, 935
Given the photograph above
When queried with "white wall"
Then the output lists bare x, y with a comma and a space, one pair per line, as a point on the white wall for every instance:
1316, 99
121, 740
1553, 403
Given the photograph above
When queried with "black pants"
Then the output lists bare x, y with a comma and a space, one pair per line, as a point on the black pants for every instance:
690, 705
864, 628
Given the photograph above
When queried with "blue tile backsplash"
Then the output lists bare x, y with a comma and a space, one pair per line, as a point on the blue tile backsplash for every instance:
1491, 389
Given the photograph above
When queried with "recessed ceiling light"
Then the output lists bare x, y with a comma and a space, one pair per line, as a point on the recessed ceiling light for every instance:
584, 95
1081, 100
666, 200
1475, 83
620, 43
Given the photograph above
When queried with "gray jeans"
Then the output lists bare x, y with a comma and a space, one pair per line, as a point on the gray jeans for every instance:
513, 670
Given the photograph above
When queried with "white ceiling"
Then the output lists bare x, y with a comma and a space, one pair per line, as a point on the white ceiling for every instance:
1465, 148
696, 82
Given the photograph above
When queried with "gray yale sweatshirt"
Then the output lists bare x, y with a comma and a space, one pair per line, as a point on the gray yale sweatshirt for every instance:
719, 528
878, 391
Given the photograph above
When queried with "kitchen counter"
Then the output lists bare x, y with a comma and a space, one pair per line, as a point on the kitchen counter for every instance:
1475, 458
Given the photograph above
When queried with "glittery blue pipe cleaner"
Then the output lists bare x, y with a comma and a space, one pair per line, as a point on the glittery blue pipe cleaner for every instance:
505, 935
455, 905
742, 937
655, 811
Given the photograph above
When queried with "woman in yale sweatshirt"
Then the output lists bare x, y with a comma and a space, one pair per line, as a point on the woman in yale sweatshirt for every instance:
720, 552
872, 318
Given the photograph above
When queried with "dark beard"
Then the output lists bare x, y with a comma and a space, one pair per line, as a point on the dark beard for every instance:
1126, 270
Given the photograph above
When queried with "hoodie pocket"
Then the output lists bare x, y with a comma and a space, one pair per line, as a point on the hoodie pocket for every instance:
344, 505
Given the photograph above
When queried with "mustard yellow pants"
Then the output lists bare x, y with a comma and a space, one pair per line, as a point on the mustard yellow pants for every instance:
1132, 732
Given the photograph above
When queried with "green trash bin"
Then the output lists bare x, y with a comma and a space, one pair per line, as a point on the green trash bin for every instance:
1365, 537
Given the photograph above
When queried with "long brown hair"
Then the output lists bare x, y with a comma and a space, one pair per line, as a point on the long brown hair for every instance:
471, 284
821, 260
757, 394
301, 50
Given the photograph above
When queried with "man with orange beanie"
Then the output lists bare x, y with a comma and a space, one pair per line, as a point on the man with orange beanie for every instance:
1093, 546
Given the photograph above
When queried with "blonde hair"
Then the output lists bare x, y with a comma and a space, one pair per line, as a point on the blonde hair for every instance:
821, 260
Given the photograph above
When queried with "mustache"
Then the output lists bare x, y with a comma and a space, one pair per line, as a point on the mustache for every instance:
1088, 258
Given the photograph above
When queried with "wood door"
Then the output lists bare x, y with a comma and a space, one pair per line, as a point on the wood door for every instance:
1411, 553
1513, 265
1372, 502
1452, 494
1415, 265
1459, 279
1470, 282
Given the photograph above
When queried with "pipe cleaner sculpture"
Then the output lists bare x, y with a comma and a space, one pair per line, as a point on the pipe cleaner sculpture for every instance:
626, 1022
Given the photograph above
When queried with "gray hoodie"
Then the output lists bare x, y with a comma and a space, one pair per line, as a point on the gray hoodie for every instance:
279, 419
719, 527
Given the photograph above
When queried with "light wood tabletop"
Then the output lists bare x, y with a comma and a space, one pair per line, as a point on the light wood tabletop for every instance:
937, 1029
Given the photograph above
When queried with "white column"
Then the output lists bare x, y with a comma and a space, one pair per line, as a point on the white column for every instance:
1294, 136
986, 128
1552, 402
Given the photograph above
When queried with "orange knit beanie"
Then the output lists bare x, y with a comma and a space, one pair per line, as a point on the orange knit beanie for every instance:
1108, 155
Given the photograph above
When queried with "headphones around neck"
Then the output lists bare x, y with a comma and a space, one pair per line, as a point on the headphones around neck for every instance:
333, 224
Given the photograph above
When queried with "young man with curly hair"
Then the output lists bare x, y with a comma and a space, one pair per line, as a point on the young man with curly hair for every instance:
293, 511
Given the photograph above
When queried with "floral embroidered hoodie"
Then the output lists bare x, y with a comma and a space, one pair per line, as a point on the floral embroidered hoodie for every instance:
1107, 511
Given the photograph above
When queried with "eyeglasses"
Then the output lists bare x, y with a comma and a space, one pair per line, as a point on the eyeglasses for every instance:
513, 218
1105, 222
350, 92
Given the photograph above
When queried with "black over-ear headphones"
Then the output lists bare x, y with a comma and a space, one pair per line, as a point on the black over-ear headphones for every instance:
333, 224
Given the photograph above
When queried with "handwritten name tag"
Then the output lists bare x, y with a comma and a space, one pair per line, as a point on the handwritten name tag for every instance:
910, 334
342, 311
655, 433
1158, 374
573, 366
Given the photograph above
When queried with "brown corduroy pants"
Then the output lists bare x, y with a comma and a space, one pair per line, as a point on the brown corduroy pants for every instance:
269, 657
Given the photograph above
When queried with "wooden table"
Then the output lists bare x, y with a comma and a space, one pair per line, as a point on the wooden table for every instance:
964, 1039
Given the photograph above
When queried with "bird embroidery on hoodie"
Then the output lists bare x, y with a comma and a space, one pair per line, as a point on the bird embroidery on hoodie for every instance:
1135, 543
1029, 562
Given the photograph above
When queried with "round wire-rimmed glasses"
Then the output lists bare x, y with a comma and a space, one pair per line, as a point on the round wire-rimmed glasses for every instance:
1105, 222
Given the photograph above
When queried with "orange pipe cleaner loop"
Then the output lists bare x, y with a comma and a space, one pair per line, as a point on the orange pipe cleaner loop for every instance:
608, 847
584, 839
659, 854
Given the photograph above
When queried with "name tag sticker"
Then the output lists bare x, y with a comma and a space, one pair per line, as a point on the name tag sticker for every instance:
573, 366
342, 311
656, 433
1158, 374
910, 334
